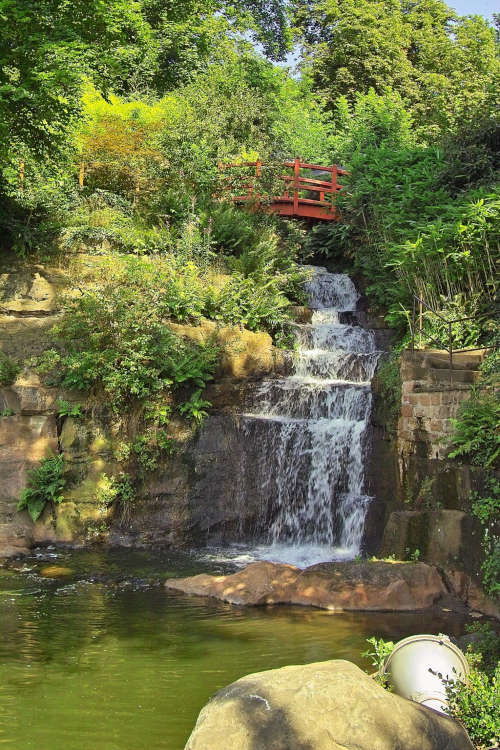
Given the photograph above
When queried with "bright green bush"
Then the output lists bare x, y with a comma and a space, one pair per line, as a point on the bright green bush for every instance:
404, 229
45, 485
242, 301
380, 650
486, 645
195, 407
115, 336
476, 704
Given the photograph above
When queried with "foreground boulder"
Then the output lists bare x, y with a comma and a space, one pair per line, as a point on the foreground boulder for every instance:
366, 586
330, 705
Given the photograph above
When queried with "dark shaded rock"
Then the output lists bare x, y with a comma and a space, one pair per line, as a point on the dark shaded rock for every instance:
442, 537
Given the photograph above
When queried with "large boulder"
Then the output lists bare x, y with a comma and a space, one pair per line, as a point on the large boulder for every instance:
365, 585
329, 705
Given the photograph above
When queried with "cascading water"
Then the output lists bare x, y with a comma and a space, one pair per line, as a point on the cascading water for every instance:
308, 434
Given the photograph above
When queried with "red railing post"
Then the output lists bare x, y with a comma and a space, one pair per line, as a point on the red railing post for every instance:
296, 175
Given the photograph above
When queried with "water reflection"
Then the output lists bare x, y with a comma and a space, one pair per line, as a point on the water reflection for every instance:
104, 658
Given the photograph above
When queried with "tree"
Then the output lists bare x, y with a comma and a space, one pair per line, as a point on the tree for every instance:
46, 47
443, 66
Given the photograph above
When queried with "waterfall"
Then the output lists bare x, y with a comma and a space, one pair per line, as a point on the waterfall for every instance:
307, 435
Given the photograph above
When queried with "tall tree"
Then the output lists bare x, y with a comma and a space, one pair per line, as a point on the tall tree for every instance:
46, 47
437, 61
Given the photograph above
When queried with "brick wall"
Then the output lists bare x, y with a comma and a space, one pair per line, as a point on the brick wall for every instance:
429, 402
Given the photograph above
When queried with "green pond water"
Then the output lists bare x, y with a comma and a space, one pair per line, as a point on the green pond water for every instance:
101, 657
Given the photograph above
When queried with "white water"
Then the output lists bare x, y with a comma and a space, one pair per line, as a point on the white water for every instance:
309, 433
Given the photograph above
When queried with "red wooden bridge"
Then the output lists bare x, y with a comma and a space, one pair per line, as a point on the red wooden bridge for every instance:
297, 197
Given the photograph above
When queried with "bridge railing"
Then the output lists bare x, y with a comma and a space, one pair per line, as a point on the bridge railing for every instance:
296, 198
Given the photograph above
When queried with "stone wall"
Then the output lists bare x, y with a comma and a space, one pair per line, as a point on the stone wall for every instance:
422, 506
431, 396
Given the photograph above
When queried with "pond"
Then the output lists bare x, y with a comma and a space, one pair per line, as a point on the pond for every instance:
94, 653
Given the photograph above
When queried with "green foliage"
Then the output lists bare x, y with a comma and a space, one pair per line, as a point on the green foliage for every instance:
406, 232
414, 555
442, 65
114, 336
67, 409
45, 485
118, 491
487, 511
388, 388
475, 430
8, 370
380, 650
476, 704
244, 301
486, 644
195, 407
150, 446
43, 57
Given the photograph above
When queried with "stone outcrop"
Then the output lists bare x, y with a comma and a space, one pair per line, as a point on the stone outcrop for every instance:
468, 589
189, 497
363, 586
329, 705
244, 354
24, 441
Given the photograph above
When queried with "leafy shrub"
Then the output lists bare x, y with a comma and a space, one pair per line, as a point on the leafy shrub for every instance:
116, 490
476, 704
45, 485
114, 336
406, 230
8, 370
486, 644
475, 430
379, 652
195, 407
151, 445
487, 511
242, 301
66, 409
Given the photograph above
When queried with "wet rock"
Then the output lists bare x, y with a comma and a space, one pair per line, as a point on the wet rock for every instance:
56, 571
368, 586
329, 705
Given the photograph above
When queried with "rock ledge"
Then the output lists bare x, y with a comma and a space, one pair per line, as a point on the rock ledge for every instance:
368, 586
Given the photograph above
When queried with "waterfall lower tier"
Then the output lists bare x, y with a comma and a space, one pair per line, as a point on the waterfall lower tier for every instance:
307, 436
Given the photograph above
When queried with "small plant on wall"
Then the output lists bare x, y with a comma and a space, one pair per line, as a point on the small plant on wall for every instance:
45, 485
8, 370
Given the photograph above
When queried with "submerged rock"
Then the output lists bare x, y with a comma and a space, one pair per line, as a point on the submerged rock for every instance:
366, 586
329, 705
